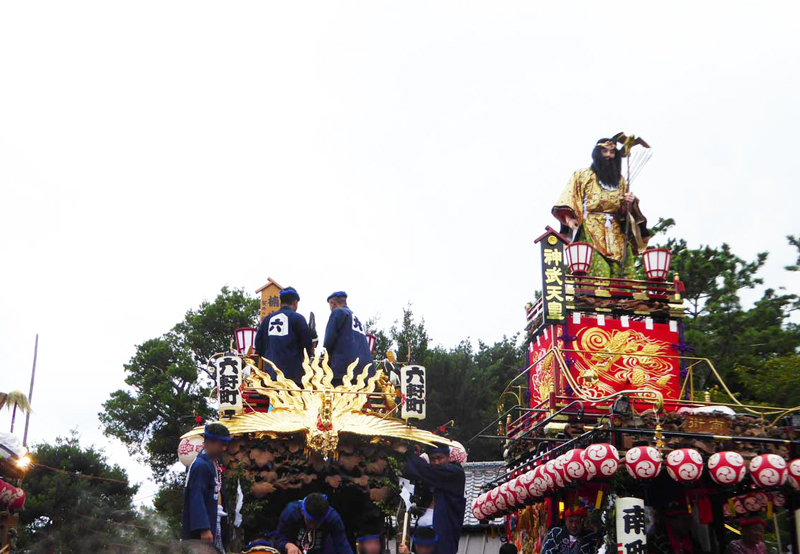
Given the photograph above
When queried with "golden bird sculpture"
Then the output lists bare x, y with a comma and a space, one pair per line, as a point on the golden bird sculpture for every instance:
321, 411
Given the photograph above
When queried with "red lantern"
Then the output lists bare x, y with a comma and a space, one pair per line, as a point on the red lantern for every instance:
794, 474
578, 256
476, 509
656, 263
507, 495
560, 465
752, 503
458, 454
490, 506
519, 490
11, 497
486, 506
604, 459
769, 470
372, 341
643, 462
542, 482
575, 465
727, 468
685, 465
245, 339
526, 480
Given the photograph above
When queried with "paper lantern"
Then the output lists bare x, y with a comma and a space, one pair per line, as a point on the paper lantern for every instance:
11, 497
604, 457
189, 448
476, 510
768, 470
575, 465
509, 497
643, 462
550, 469
578, 256
458, 454
489, 508
656, 263
499, 499
245, 340
685, 465
542, 482
794, 474
560, 465
727, 468
519, 490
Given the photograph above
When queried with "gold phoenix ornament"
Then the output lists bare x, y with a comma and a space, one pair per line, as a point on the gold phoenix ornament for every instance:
320, 410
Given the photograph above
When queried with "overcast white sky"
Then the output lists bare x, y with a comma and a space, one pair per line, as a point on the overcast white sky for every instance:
152, 152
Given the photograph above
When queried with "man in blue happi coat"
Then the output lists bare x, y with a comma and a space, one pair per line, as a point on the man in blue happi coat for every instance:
203, 499
571, 538
284, 337
311, 526
447, 481
345, 339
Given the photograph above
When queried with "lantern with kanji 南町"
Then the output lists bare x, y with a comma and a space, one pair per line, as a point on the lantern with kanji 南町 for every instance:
603, 457
656, 263
578, 256
685, 465
727, 468
245, 340
643, 462
768, 470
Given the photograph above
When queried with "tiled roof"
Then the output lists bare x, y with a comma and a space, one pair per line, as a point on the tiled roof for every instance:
478, 474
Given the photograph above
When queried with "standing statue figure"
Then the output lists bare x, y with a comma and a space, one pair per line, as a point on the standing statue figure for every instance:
594, 207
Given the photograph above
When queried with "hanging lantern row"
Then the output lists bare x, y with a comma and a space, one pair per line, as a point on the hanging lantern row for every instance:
657, 261
644, 463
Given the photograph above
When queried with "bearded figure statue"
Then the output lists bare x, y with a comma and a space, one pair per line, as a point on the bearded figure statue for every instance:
596, 207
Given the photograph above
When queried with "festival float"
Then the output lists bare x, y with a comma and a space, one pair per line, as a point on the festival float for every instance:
345, 440
607, 419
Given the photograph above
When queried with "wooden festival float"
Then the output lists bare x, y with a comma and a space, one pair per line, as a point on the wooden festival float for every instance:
607, 416
289, 440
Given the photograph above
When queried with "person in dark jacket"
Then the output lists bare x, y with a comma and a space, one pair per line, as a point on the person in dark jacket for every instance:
447, 481
425, 541
345, 339
571, 538
203, 514
311, 526
284, 337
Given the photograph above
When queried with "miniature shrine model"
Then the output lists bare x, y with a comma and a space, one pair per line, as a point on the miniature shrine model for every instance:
607, 422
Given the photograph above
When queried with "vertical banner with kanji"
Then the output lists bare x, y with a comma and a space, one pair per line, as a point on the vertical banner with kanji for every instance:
631, 523
412, 386
553, 289
229, 384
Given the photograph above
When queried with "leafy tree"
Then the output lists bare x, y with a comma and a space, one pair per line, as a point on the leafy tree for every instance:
86, 504
168, 381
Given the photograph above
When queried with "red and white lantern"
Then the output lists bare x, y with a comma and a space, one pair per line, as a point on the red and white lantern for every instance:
752, 503
685, 465
779, 499
794, 474
643, 462
727, 468
476, 509
604, 458
245, 340
458, 453
518, 489
769, 470
560, 465
506, 493
372, 342
189, 448
489, 508
11, 497
526, 480
578, 256
656, 263
542, 482
575, 465
550, 469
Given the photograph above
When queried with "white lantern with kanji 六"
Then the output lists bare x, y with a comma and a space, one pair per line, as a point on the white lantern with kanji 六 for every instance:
727, 468
578, 256
656, 263
768, 470
794, 474
643, 462
245, 340
685, 465
189, 448
604, 459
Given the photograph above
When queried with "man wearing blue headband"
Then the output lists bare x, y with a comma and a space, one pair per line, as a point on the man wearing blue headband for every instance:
425, 542
284, 336
369, 539
203, 497
311, 526
345, 339
447, 481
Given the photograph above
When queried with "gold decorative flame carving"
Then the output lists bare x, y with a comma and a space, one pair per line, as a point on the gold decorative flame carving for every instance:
321, 411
